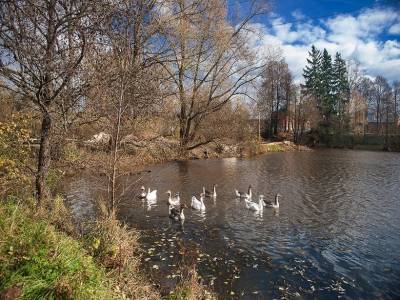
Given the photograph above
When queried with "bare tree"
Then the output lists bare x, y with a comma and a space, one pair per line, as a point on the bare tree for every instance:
381, 99
275, 93
210, 62
126, 75
396, 98
42, 45
304, 112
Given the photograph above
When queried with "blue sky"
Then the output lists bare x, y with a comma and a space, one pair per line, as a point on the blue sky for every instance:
364, 31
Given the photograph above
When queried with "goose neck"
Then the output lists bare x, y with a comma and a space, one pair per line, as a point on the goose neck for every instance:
260, 203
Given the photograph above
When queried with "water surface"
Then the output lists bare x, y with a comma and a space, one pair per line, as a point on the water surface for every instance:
335, 235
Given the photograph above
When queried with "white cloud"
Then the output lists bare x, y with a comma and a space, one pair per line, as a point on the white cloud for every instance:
395, 29
354, 36
298, 15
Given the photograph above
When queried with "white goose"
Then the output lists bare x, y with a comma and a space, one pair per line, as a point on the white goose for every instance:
198, 204
151, 196
174, 201
254, 206
247, 195
212, 194
274, 204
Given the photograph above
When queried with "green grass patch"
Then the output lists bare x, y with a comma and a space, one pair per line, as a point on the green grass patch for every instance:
44, 263
274, 148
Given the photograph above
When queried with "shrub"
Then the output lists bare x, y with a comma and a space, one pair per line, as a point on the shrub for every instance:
14, 156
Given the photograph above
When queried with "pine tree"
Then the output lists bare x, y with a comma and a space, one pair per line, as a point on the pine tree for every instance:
341, 86
326, 90
312, 74
341, 91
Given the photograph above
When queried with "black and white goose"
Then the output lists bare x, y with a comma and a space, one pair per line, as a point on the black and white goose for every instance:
209, 194
247, 195
274, 204
176, 213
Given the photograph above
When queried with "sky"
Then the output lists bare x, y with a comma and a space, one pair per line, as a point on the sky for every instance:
365, 31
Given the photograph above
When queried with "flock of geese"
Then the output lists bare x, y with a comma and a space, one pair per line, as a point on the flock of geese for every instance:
175, 207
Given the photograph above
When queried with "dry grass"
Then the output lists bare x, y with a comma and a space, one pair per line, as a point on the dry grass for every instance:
116, 247
190, 287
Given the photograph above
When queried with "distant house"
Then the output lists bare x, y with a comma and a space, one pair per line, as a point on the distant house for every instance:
284, 121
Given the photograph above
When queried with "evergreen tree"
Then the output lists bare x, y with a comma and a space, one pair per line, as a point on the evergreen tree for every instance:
328, 83
326, 89
312, 74
341, 86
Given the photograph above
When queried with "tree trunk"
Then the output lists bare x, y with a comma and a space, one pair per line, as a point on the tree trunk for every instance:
115, 157
44, 159
395, 113
386, 147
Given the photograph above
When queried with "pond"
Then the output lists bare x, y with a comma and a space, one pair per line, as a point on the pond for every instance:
336, 233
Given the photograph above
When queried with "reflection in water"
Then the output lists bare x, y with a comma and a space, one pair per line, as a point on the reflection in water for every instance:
335, 234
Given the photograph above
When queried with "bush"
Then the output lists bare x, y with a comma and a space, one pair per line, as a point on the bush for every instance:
15, 177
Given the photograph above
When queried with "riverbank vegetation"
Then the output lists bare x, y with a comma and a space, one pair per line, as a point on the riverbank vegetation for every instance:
337, 106
110, 86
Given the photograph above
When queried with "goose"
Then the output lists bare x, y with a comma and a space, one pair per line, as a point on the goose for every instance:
174, 201
254, 206
247, 195
143, 193
274, 204
198, 204
209, 194
177, 213
151, 195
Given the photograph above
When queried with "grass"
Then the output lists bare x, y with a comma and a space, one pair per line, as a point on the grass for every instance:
190, 288
275, 148
39, 262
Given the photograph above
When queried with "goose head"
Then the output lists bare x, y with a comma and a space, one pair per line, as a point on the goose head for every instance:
142, 188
